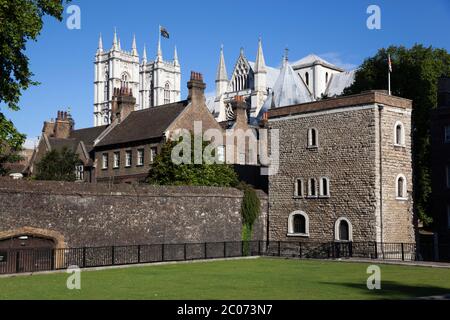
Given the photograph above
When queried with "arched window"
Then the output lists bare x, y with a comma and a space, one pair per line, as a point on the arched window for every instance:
399, 134
312, 188
343, 230
401, 188
167, 94
326, 78
298, 224
307, 78
125, 79
324, 187
312, 138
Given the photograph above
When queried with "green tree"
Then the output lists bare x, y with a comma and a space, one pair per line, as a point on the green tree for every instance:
250, 210
415, 76
58, 166
165, 172
20, 21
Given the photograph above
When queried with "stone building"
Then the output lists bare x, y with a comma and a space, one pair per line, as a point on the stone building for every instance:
256, 82
345, 170
153, 82
440, 144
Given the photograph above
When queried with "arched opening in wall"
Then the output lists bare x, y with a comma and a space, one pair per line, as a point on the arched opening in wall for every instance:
298, 224
30, 250
343, 230
125, 80
399, 134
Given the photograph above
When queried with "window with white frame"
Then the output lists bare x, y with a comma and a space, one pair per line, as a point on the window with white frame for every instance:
140, 157
116, 160
399, 134
79, 172
153, 152
447, 134
324, 187
401, 187
128, 158
343, 230
125, 79
298, 188
105, 161
312, 187
221, 154
298, 224
312, 138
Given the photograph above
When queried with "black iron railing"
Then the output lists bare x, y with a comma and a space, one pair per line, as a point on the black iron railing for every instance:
34, 260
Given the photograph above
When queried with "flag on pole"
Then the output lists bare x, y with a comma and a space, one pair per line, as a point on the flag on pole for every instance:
164, 32
390, 63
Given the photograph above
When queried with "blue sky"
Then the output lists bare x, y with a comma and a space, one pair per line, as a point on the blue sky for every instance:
62, 59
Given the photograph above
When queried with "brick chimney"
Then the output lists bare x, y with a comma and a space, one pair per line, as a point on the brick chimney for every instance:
196, 88
240, 110
444, 92
123, 104
63, 125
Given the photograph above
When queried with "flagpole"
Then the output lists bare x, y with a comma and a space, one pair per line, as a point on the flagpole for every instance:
389, 81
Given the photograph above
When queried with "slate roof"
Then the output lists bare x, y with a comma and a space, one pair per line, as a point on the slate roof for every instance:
144, 124
339, 82
312, 59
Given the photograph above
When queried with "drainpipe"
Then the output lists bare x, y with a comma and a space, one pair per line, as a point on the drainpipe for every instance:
380, 109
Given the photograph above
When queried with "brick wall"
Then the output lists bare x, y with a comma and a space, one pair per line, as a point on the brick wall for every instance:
98, 214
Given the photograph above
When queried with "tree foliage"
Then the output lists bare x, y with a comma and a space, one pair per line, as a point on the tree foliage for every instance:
58, 166
250, 210
165, 172
415, 76
20, 21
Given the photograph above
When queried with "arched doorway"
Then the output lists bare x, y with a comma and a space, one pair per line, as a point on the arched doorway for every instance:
29, 250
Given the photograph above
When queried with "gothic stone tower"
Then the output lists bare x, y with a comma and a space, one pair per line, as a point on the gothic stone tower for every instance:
153, 82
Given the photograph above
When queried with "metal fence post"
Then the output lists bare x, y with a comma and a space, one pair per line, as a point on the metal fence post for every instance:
17, 261
84, 257
279, 248
53, 259
139, 253
206, 250
350, 249
162, 252
403, 252
376, 250
224, 249
300, 249
112, 255
185, 252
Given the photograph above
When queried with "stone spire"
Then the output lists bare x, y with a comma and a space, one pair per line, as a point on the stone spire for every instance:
175, 57
119, 45
134, 47
159, 55
221, 76
221, 69
100, 44
260, 64
115, 40
144, 55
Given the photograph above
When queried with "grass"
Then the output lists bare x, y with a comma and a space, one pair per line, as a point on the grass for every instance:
263, 278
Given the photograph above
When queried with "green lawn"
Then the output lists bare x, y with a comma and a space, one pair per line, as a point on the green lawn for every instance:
238, 279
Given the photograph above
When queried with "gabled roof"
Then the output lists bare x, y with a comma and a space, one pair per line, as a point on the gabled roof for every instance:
312, 59
289, 89
144, 124
87, 136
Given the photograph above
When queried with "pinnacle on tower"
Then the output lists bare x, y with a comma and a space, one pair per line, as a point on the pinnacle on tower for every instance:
144, 55
119, 45
100, 44
175, 57
260, 64
115, 40
221, 69
159, 56
134, 47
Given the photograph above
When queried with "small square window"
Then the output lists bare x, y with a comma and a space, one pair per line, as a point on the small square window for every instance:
128, 158
3, 256
153, 153
105, 161
116, 159
140, 157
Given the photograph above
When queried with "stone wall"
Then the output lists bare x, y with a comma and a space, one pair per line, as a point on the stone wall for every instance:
101, 215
